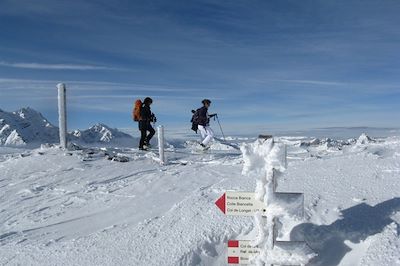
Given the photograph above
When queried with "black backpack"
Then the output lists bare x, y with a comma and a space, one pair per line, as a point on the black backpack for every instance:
195, 120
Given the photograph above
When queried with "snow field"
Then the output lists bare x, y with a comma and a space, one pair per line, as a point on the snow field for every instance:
78, 208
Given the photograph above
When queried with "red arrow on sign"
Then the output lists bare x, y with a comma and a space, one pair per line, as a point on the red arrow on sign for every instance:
221, 203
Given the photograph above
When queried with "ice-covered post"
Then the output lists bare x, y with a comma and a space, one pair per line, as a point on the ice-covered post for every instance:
160, 130
265, 160
62, 114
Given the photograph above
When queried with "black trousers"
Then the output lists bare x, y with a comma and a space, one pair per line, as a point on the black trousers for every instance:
144, 137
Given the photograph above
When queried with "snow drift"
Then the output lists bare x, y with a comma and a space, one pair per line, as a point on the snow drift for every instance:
78, 208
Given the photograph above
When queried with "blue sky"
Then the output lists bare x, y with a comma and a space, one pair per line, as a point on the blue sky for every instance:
266, 65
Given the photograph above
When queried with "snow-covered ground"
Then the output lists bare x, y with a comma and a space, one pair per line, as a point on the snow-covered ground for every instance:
86, 207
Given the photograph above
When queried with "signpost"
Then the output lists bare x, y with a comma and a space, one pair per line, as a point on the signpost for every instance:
241, 251
267, 250
239, 203
246, 204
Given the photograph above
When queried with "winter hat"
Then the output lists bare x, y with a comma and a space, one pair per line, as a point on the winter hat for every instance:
148, 101
206, 101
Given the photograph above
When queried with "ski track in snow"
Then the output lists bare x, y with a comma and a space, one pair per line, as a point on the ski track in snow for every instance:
77, 208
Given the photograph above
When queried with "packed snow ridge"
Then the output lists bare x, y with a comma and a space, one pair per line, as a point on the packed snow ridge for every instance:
27, 126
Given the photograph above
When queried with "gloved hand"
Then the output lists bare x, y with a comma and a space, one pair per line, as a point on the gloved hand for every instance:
212, 115
153, 118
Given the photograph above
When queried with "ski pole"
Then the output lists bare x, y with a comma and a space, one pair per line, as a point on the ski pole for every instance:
220, 127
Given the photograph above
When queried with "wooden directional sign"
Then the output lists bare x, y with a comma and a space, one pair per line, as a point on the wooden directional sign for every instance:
241, 252
239, 203
246, 204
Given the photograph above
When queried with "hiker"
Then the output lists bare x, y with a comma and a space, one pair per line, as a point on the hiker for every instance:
202, 119
144, 117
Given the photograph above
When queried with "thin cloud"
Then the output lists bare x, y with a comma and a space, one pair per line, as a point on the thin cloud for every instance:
313, 82
55, 66
120, 108
95, 85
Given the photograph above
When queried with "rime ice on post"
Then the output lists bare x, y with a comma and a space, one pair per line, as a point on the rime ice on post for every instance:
265, 160
160, 130
62, 114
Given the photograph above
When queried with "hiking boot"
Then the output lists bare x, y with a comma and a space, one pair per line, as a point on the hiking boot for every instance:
148, 145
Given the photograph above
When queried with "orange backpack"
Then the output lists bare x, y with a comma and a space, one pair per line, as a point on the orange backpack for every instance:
136, 110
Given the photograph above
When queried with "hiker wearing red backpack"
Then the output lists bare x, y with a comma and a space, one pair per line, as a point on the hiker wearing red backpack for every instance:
143, 115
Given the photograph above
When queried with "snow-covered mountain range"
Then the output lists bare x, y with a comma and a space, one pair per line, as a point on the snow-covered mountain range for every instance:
99, 133
28, 126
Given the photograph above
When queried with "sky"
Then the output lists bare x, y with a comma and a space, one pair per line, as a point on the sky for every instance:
266, 65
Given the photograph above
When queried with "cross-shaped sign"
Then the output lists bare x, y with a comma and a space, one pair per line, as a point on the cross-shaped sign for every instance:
247, 204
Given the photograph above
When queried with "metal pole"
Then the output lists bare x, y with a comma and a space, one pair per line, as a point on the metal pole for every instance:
160, 130
62, 114
220, 127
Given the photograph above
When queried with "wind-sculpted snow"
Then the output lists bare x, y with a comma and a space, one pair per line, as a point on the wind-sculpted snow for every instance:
364, 139
79, 207
327, 143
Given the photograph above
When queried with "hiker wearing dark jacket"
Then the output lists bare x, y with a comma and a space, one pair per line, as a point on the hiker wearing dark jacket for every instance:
203, 118
207, 134
146, 117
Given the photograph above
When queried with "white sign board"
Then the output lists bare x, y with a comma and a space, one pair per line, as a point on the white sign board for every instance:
241, 252
240, 203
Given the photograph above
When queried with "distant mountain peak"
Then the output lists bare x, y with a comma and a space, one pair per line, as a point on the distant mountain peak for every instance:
100, 126
25, 126
28, 113
100, 133
364, 139
29, 126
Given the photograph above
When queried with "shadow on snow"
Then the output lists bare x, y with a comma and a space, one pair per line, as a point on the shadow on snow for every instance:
355, 225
